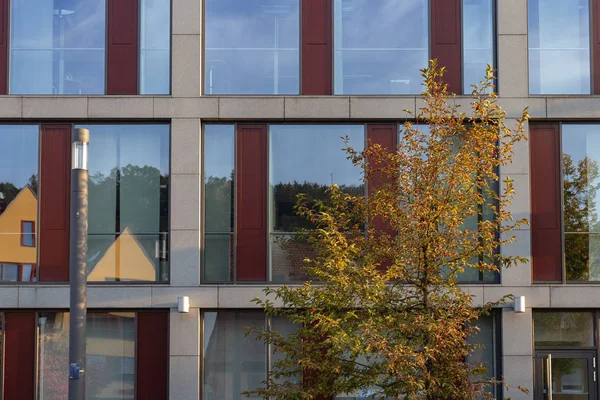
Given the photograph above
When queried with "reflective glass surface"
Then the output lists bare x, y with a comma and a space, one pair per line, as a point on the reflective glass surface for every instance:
477, 40
233, 361
18, 198
380, 46
559, 47
487, 353
252, 47
305, 159
110, 356
563, 329
57, 46
219, 160
128, 203
581, 199
155, 46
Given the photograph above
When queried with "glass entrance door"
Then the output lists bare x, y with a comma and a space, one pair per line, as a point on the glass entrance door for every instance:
565, 375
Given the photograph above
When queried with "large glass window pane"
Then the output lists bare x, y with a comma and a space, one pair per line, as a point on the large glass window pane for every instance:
18, 195
380, 46
128, 203
559, 47
581, 181
305, 159
233, 362
559, 329
487, 352
252, 47
478, 40
57, 46
110, 356
155, 46
219, 160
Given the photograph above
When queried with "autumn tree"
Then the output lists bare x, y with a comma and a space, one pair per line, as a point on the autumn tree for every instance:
383, 314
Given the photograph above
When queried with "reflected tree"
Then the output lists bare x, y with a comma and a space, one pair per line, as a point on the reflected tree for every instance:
580, 188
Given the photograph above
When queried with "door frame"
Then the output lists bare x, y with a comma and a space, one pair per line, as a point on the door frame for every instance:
582, 353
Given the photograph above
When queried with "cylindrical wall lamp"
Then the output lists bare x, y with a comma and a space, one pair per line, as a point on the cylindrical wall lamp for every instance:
183, 304
519, 305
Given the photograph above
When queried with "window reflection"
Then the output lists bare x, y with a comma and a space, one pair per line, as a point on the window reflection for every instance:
128, 202
581, 181
559, 53
252, 47
18, 201
218, 202
387, 60
558, 329
155, 46
110, 355
57, 47
478, 41
305, 159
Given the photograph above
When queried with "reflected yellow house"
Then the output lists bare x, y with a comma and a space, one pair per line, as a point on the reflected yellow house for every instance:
125, 260
22, 209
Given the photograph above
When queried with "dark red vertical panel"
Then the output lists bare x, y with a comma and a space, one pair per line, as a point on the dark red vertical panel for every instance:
4, 46
317, 37
251, 202
546, 236
152, 381
19, 355
54, 203
387, 137
596, 45
446, 40
122, 47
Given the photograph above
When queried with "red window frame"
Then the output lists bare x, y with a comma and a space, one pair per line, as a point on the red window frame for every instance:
23, 222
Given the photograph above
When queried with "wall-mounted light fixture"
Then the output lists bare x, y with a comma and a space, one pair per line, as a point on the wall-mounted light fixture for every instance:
183, 304
519, 305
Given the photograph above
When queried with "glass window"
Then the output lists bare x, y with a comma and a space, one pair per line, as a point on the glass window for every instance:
559, 47
478, 40
27, 232
387, 60
488, 352
581, 181
128, 203
233, 361
252, 47
558, 329
18, 196
110, 355
219, 161
291, 146
155, 46
57, 47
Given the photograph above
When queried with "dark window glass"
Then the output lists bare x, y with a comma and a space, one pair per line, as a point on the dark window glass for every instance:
305, 159
252, 47
581, 181
18, 196
219, 163
110, 355
488, 352
380, 46
559, 47
10, 272
155, 46
57, 47
128, 203
28, 230
478, 40
560, 329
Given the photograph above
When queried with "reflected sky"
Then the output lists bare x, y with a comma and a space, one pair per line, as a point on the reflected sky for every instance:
57, 47
387, 59
478, 41
252, 47
314, 153
559, 47
20, 153
155, 46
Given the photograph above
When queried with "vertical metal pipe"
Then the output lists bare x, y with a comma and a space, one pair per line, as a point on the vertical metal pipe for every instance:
78, 275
